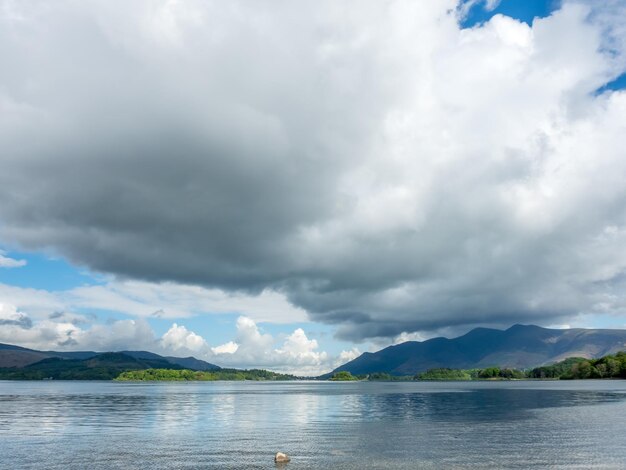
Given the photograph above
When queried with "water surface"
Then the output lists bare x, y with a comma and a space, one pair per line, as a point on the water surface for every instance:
106, 425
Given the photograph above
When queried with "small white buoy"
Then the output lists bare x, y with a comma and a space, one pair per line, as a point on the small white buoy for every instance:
281, 457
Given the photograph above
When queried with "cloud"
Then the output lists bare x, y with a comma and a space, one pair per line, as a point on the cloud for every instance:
404, 336
409, 177
6, 262
251, 348
226, 348
115, 336
67, 331
161, 300
347, 356
10, 316
17, 327
466, 5
301, 350
179, 338
74, 318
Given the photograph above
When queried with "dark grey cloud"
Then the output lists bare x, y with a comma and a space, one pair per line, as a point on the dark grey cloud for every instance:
21, 320
385, 170
74, 319
69, 342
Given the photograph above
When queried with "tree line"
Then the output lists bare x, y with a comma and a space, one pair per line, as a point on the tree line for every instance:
612, 366
186, 375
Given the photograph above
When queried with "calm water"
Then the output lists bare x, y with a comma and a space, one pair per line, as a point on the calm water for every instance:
103, 425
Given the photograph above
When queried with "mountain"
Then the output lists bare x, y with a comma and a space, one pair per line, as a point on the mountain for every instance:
88, 364
16, 356
185, 362
105, 366
521, 346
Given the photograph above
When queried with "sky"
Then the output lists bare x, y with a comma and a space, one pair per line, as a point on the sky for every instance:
287, 185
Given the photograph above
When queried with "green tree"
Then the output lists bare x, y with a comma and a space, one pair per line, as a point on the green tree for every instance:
612, 367
489, 372
444, 374
582, 370
343, 376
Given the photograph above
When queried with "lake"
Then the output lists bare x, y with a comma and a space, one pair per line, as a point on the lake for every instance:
363, 425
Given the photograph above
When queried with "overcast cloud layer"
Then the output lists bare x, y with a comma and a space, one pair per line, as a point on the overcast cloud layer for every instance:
383, 169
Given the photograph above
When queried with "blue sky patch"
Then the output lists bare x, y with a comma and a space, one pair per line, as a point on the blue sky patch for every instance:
44, 272
617, 84
522, 10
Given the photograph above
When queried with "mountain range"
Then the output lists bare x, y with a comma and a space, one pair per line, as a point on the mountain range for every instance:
520, 347
19, 362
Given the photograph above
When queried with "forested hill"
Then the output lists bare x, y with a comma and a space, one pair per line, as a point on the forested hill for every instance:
519, 347
22, 363
104, 366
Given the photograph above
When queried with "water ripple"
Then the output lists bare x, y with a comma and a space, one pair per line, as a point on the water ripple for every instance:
104, 425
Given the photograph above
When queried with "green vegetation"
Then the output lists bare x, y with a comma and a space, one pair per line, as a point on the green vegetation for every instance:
612, 366
105, 366
343, 376
497, 373
167, 375
490, 373
444, 374
385, 377
555, 371
120, 366
607, 367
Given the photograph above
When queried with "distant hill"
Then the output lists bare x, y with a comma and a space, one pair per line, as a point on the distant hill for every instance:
105, 366
190, 362
520, 347
18, 362
15, 356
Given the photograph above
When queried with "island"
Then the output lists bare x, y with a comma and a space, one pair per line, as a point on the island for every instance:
186, 375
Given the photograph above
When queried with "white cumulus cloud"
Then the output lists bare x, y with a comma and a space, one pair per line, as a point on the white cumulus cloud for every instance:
178, 338
7, 262
253, 348
226, 348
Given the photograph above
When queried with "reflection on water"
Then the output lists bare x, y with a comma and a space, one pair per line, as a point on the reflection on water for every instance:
102, 425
